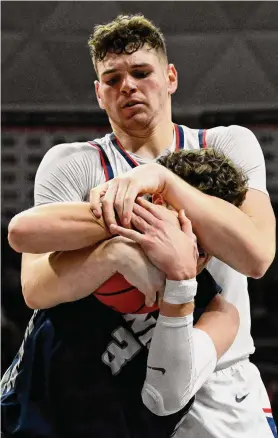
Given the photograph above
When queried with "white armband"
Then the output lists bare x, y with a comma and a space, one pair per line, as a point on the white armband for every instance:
180, 292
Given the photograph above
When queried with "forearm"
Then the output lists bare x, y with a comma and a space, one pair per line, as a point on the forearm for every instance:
59, 277
56, 227
185, 355
222, 229
188, 357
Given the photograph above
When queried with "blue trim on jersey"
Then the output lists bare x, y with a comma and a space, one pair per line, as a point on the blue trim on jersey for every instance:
272, 426
200, 137
108, 166
181, 137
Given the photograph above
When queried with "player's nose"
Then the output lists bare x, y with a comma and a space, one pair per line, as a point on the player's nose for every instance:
128, 85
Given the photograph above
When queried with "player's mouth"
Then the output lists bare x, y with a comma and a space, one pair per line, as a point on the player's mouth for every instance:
132, 103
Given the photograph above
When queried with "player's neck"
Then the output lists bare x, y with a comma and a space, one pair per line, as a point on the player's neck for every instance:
148, 143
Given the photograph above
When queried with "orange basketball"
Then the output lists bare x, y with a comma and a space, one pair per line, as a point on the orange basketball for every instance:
121, 296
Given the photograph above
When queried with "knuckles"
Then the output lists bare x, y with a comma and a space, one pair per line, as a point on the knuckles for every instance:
117, 204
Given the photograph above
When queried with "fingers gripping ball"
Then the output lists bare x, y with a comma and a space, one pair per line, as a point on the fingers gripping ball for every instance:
122, 297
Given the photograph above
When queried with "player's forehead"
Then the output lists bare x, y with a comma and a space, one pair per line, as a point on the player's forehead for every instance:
142, 58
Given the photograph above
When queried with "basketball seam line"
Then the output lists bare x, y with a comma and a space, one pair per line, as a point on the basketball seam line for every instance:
115, 293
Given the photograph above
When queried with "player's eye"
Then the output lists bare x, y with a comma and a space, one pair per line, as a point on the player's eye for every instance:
140, 74
112, 81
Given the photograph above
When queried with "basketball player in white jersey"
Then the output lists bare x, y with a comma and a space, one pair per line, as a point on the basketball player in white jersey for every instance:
134, 88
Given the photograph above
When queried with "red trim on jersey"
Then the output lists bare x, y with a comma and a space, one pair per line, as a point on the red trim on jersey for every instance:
102, 160
125, 151
267, 410
177, 138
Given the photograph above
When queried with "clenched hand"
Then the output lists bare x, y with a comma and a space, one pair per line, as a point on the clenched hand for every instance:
170, 247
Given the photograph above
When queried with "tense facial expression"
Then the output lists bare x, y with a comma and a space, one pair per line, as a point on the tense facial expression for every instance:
135, 89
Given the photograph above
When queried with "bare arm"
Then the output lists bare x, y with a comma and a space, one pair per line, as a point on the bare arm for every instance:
243, 238
58, 277
60, 226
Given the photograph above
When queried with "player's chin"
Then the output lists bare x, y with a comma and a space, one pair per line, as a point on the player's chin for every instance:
137, 121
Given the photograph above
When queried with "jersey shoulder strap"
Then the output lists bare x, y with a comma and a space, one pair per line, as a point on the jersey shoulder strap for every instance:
117, 145
108, 170
202, 138
179, 137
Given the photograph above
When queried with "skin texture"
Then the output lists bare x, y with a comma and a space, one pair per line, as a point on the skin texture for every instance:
244, 237
150, 221
147, 130
151, 86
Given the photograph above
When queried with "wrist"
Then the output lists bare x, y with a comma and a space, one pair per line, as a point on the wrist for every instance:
113, 252
167, 179
180, 292
164, 177
121, 252
176, 310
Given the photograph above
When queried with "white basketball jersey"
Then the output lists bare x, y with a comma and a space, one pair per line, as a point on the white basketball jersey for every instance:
69, 171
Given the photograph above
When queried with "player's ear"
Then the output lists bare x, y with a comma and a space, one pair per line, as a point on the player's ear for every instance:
157, 199
172, 79
98, 94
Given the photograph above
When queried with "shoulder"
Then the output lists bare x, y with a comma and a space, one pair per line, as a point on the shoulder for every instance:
233, 134
242, 147
67, 172
67, 151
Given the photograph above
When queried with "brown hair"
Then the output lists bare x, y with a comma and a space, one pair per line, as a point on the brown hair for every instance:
209, 171
126, 34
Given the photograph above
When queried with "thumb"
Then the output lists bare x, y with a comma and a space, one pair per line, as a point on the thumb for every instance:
185, 223
96, 194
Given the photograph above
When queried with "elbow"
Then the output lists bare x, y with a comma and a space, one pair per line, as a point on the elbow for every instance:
163, 405
257, 273
29, 296
17, 234
34, 296
30, 304
261, 264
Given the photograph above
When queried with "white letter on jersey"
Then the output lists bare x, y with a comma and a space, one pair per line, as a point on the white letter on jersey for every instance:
121, 350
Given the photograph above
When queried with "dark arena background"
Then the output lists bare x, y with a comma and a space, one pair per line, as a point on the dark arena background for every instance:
226, 54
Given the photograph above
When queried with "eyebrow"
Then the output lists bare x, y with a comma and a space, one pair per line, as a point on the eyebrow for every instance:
114, 70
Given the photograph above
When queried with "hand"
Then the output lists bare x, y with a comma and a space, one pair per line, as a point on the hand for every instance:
137, 269
170, 249
120, 193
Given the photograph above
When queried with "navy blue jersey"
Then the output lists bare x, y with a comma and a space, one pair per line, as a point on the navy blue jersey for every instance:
80, 372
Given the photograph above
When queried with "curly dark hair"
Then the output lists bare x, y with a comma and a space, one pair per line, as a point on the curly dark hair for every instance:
125, 34
209, 171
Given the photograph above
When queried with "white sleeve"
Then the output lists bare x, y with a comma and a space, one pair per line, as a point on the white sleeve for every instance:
180, 360
67, 173
242, 146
